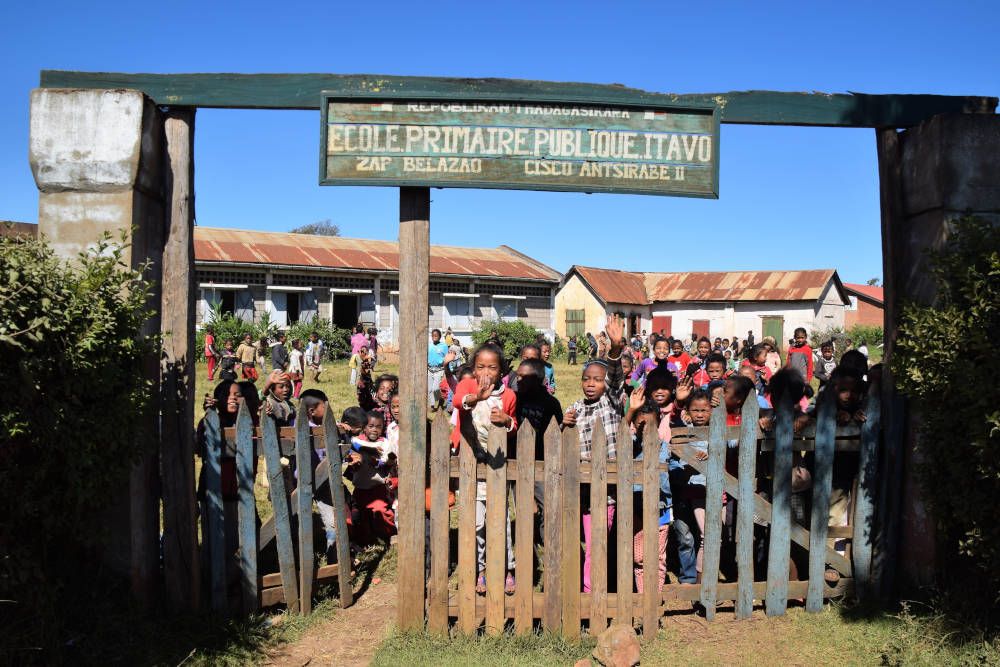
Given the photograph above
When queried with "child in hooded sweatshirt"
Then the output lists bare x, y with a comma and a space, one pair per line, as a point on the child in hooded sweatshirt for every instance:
602, 388
370, 469
482, 402
277, 389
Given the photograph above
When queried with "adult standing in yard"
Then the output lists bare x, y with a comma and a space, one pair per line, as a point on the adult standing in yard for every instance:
436, 353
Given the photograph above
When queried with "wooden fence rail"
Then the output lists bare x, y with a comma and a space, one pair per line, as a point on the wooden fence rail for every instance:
234, 540
597, 496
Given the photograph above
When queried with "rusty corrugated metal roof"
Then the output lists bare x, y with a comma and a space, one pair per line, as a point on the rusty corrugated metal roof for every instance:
870, 292
645, 288
333, 252
613, 286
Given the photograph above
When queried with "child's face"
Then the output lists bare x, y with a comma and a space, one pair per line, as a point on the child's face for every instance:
715, 370
704, 347
233, 399
848, 393
296, 344
394, 407
700, 411
827, 353
661, 396
229, 345
436, 337
247, 339
761, 357
748, 372
733, 402
800, 338
383, 391
373, 429
677, 348
546, 352
313, 337
661, 349
281, 390
527, 382
626, 364
529, 353
363, 351
316, 414
487, 366
642, 422
593, 382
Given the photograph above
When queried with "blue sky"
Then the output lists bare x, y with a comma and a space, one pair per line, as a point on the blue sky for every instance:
790, 198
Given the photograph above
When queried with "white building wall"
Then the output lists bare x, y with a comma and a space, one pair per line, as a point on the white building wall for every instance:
831, 310
719, 316
728, 319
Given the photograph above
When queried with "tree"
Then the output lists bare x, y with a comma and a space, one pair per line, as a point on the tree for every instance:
318, 228
874, 282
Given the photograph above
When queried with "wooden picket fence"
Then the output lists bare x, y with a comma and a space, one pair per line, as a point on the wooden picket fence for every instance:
297, 576
561, 605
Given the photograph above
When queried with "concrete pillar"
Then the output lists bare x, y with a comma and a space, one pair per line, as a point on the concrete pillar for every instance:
97, 156
932, 174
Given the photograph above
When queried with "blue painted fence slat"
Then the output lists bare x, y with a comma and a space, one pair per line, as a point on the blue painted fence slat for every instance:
216, 529
282, 521
864, 504
744, 517
822, 480
713, 511
247, 510
304, 468
779, 544
334, 465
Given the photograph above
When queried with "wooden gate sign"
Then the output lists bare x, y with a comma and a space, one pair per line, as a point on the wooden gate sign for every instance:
523, 145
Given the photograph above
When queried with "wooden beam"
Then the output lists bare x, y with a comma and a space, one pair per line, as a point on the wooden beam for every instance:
414, 276
302, 91
182, 579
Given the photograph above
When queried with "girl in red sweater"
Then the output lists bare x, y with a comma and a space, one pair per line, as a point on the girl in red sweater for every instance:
483, 402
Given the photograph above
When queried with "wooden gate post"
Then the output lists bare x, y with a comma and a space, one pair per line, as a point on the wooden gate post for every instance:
177, 373
414, 275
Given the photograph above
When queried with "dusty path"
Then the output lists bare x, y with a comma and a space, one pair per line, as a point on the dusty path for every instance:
350, 638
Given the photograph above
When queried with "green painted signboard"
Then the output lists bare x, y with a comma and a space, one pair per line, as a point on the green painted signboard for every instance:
520, 144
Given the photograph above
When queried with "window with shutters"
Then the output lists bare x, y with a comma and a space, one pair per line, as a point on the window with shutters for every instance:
576, 322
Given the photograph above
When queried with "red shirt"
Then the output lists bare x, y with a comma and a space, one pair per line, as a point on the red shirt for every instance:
683, 360
508, 403
804, 350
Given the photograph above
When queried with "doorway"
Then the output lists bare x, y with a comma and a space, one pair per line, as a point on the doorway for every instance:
345, 310
774, 326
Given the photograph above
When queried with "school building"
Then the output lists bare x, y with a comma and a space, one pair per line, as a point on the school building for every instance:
295, 277
867, 306
707, 303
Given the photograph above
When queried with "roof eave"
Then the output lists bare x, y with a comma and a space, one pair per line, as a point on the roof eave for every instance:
344, 269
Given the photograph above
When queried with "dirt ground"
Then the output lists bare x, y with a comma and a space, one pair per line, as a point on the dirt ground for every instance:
349, 638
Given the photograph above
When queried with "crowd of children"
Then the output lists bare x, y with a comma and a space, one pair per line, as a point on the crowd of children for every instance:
627, 386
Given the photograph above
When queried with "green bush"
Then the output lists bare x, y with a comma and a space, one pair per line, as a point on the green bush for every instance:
559, 347
872, 336
71, 355
945, 359
514, 335
337, 341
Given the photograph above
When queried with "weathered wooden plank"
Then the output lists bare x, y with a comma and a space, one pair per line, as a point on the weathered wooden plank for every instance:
321, 575
302, 91
247, 509
822, 480
713, 512
623, 512
762, 509
599, 538
779, 544
552, 585
864, 501
320, 475
571, 567
744, 517
182, 579
671, 593
304, 471
467, 561
216, 529
282, 519
524, 503
414, 265
330, 468
650, 533
496, 530
437, 588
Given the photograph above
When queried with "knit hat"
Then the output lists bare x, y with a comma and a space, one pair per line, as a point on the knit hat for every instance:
276, 377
